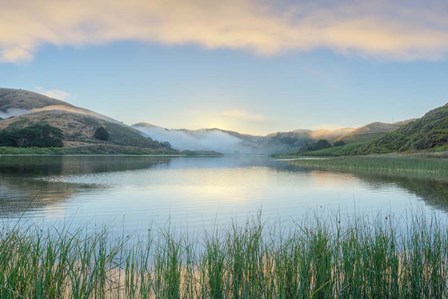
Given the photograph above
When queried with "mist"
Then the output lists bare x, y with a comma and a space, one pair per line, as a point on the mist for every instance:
199, 140
11, 112
222, 141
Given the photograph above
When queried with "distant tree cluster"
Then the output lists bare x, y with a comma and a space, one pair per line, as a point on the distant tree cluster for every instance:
37, 135
101, 134
318, 145
323, 144
288, 140
167, 144
339, 143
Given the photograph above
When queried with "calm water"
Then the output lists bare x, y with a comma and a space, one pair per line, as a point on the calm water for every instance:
133, 192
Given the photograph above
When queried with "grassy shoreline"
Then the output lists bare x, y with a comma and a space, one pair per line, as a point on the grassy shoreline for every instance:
368, 258
422, 165
99, 150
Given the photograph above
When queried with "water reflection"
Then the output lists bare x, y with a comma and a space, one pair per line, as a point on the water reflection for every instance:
27, 184
434, 191
202, 190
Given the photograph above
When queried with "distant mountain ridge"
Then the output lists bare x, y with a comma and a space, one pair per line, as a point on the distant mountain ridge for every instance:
231, 142
22, 108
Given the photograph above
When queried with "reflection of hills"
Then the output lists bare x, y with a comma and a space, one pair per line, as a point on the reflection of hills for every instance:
75, 165
24, 184
18, 195
433, 190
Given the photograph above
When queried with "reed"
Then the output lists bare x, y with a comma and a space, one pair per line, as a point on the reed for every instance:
395, 164
362, 258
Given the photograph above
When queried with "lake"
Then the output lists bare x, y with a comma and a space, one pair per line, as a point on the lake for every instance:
132, 192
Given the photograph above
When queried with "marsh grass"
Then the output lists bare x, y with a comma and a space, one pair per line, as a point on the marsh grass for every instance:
363, 258
394, 164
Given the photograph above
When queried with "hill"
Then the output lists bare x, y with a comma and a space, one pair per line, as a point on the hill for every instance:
18, 99
22, 109
370, 132
428, 132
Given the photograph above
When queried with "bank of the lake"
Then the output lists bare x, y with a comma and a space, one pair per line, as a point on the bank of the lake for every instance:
100, 150
365, 241
433, 164
368, 258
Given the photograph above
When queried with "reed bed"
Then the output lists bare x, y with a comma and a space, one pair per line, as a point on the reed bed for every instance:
363, 258
394, 164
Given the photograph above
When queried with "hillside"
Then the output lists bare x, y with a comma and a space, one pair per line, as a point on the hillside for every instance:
370, 132
24, 109
18, 99
313, 134
428, 132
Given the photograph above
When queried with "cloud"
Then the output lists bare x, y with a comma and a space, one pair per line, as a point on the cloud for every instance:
401, 29
244, 115
54, 93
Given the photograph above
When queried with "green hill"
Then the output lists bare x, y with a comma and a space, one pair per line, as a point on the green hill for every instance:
369, 132
428, 132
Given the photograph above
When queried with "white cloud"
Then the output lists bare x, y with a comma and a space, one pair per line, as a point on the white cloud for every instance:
401, 29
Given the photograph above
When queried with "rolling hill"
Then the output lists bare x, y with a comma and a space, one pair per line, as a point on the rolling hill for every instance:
428, 132
369, 132
22, 112
20, 109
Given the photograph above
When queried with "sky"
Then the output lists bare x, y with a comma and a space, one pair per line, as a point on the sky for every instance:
252, 66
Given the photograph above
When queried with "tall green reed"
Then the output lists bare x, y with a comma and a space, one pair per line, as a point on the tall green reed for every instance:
364, 258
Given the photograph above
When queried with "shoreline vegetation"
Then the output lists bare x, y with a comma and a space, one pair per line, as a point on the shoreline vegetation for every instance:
364, 258
351, 149
433, 165
100, 150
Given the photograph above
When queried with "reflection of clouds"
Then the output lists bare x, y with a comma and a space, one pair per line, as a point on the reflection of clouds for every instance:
56, 211
331, 180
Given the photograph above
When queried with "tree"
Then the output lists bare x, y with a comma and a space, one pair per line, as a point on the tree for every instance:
36, 135
321, 144
101, 134
166, 144
339, 143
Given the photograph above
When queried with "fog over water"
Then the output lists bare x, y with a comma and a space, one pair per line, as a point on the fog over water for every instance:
209, 140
